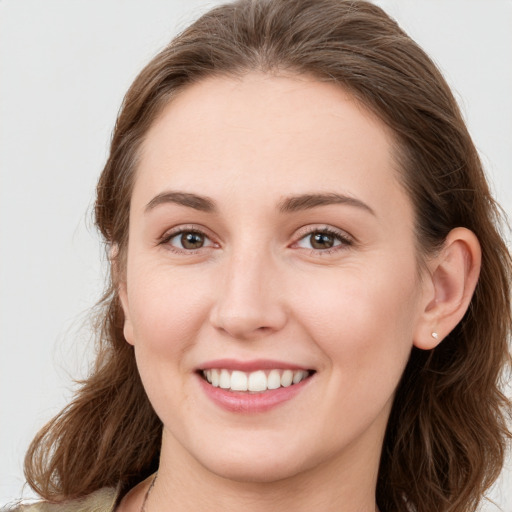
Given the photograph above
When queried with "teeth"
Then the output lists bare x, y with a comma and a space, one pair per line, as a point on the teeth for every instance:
215, 377
224, 379
238, 381
255, 382
297, 377
274, 379
286, 378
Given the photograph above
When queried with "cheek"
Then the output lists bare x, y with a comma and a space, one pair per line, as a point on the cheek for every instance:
166, 314
166, 309
364, 319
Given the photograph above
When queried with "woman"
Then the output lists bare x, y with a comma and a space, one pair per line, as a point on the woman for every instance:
309, 304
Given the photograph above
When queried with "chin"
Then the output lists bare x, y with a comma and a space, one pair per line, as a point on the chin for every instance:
255, 471
254, 463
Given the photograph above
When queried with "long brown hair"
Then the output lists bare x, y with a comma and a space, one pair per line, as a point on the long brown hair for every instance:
447, 432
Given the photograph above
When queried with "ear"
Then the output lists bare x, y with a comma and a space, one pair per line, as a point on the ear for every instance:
128, 326
449, 286
120, 283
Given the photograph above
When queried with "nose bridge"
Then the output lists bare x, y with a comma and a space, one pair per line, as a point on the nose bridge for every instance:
249, 300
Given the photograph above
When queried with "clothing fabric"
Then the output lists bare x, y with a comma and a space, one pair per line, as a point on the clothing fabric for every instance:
102, 500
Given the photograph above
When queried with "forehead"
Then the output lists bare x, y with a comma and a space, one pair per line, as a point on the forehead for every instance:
291, 132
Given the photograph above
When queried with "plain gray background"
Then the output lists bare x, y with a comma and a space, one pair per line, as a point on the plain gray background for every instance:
64, 67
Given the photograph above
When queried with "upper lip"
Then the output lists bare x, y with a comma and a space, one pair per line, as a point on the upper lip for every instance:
251, 366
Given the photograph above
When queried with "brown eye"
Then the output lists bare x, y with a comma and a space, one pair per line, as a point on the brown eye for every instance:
191, 240
322, 240
188, 240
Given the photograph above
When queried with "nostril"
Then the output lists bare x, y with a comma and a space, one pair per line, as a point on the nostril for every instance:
245, 327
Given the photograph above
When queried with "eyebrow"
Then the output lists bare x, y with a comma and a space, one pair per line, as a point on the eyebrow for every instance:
202, 203
307, 201
287, 205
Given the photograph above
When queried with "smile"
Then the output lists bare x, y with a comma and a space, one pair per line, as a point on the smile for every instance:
254, 382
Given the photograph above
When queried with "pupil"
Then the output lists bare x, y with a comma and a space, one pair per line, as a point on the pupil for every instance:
192, 240
322, 241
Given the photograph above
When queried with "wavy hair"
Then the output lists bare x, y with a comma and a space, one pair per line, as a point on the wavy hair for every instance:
447, 433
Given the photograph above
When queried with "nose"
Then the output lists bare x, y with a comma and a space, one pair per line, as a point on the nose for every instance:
250, 301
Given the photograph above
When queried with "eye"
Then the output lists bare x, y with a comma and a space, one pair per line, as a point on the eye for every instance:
323, 239
188, 240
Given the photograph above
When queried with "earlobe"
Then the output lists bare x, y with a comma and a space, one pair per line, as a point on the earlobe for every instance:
452, 280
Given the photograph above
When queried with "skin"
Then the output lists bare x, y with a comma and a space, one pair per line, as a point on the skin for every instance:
258, 289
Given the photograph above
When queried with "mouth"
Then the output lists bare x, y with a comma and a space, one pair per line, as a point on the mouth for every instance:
259, 381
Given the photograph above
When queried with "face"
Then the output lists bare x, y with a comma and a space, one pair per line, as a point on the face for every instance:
271, 291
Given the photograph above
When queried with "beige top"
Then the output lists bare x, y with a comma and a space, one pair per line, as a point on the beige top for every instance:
102, 500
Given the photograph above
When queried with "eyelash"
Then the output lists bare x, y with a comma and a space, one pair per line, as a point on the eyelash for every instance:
166, 239
344, 240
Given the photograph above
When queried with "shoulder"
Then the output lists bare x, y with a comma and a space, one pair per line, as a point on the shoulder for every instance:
102, 500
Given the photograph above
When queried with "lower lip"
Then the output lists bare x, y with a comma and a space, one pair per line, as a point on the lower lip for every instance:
245, 402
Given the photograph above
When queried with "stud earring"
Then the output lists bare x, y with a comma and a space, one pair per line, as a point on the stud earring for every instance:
435, 335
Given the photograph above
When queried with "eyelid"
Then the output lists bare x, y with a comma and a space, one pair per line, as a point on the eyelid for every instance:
345, 238
186, 228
